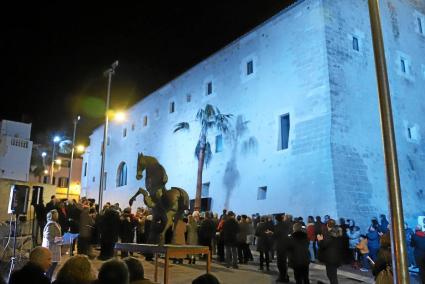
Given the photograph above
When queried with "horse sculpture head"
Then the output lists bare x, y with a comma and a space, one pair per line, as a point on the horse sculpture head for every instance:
141, 166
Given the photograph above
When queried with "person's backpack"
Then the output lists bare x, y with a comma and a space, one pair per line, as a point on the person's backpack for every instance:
385, 276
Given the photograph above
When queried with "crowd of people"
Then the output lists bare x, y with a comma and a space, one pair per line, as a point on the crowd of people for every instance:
281, 237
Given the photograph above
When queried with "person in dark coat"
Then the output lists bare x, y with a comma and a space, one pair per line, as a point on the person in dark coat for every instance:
40, 216
229, 234
243, 246
74, 213
264, 234
63, 217
34, 271
281, 238
206, 232
109, 228
299, 257
127, 226
52, 204
418, 244
330, 249
383, 227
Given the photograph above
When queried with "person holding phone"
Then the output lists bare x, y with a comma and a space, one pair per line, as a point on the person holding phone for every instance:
330, 245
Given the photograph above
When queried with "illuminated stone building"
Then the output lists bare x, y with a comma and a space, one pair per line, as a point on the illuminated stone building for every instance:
304, 81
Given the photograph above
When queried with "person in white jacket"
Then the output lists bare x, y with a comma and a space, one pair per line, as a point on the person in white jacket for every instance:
52, 239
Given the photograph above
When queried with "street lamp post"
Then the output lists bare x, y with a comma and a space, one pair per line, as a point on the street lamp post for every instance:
55, 140
72, 156
108, 73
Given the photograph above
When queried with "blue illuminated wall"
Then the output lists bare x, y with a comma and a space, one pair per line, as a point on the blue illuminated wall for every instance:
306, 67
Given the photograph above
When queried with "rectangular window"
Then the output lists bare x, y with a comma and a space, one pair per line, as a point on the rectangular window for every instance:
108, 141
409, 132
172, 107
205, 189
157, 113
209, 88
284, 131
63, 182
105, 176
145, 120
93, 179
124, 132
403, 65
355, 43
45, 179
188, 98
249, 67
420, 25
85, 169
262, 193
219, 143
54, 181
132, 127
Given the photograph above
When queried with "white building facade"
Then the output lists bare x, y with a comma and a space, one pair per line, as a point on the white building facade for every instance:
15, 150
303, 94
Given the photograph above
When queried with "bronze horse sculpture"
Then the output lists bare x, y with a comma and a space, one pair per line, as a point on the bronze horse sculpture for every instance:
167, 205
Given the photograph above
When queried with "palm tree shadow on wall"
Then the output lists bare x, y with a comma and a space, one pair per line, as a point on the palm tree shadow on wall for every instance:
231, 177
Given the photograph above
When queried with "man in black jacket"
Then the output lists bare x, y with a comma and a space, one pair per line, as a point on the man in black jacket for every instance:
281, 237
330, 246
229, 233
34, 271
109, 227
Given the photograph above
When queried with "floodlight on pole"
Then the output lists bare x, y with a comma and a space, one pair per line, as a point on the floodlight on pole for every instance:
56, 139
108, 73
76, 120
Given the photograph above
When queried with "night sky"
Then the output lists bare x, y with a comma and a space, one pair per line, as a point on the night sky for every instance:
54, 56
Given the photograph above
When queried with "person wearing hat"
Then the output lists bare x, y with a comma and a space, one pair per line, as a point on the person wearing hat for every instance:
229, 233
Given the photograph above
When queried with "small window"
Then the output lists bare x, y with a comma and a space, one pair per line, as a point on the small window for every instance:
63, 182
205, 189
403, 65
145, 120
262, 193
413, 133
108, 141
85, 169
355, 43
122, 174
172, 107
124, 132
209, 88
54, 180
156, 113
284, 131
249, 67
188, 98
133, 127
45, 179
105, 178
219, 143
420, 25
93, 179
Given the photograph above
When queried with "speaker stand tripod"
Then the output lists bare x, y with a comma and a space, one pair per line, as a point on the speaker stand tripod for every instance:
13, 258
